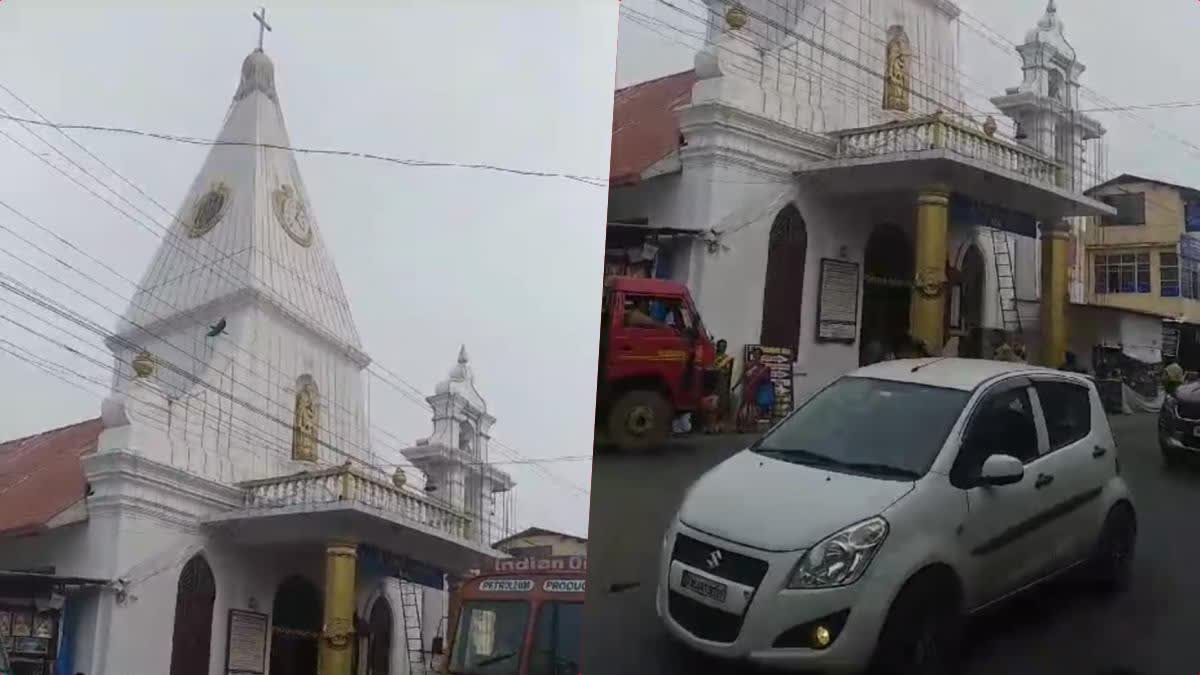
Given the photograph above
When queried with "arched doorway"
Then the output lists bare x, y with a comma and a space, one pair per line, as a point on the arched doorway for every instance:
379, 638
784, 288
971, 280
192, 637
296, 618
887, 289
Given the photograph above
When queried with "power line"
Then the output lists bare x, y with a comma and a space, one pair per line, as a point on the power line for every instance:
420, 163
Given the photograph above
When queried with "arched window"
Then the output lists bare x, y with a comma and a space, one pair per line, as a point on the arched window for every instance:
192, 637
784, 288
466, 436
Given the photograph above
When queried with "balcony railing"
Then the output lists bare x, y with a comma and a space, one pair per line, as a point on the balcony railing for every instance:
345, 484
938, 133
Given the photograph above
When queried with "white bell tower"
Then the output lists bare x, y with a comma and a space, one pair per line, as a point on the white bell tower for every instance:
1045, 106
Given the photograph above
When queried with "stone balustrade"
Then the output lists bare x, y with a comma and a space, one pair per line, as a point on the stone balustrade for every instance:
936, 132
346, 484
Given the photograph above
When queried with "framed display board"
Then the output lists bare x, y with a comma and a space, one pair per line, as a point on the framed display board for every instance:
246, 642
837, 301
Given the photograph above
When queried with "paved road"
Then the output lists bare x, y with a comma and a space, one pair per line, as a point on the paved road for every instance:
1061, 630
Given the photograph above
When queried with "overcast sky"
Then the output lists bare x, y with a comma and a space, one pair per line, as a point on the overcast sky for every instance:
429, 257
1136, 53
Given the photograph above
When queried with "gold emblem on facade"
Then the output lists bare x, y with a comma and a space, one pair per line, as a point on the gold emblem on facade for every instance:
399, 478
930, 282
143, 365
736, 17
897, 80
338, 633
304, 434
292, 215
208, 210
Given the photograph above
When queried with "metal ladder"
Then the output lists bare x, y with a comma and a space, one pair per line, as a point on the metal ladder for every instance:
1006, 286
410, 606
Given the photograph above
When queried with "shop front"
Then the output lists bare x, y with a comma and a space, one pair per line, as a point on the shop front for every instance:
36, 620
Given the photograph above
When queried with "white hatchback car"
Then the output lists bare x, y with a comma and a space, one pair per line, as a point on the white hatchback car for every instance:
865, 527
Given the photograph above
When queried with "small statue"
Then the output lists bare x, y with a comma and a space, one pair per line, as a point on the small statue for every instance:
304, 438
896, 78
990, 126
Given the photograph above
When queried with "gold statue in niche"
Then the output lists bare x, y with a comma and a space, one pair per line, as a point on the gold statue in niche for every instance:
897, 80
304, 433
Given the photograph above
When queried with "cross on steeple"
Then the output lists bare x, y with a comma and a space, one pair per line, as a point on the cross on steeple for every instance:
261, 17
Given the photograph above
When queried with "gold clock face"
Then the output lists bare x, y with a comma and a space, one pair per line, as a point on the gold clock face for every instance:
208, 211
292, 215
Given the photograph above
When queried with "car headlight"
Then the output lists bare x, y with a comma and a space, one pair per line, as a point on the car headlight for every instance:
842, 558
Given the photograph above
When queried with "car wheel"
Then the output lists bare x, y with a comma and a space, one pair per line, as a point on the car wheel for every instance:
923, 630
1112, 561
639, 420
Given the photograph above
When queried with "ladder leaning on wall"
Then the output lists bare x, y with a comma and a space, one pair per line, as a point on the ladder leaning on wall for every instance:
410, 608
1006, 283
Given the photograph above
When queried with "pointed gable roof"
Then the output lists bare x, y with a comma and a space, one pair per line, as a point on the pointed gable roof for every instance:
41, 476
645, 125
227, 237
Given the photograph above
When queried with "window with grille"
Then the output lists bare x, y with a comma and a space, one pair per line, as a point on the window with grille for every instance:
1168, 269
1122, 273
1189, 278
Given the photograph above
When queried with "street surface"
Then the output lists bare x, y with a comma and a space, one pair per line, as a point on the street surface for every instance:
1060, 630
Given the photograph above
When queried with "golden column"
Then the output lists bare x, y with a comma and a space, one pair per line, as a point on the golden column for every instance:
337, 635
1056, 237
927, 314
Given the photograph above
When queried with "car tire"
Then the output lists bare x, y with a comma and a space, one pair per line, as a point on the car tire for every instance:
639, 420
923, 630
1112, 561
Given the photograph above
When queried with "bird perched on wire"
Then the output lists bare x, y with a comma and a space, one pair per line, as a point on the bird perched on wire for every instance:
217, 329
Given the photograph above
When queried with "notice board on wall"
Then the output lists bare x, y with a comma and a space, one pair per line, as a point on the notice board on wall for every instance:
837, 301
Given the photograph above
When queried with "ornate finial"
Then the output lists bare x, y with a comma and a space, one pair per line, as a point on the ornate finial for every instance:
736, 17
989, 126
143, 364
1051, 8
462, 355
261, 17
399, 479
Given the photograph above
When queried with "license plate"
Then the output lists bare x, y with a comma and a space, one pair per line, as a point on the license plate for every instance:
701, 586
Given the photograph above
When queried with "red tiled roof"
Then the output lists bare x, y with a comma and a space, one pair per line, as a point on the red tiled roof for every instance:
645, 128
41, 475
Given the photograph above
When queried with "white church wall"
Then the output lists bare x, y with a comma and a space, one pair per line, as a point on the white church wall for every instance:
811, 88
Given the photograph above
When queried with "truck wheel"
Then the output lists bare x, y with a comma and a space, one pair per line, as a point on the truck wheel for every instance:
639, 420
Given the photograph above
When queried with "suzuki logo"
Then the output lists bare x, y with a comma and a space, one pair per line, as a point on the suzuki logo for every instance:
713, 560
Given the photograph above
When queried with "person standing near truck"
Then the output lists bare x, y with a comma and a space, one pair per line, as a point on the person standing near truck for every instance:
723, 368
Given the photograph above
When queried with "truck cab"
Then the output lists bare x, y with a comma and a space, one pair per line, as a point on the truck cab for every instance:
655, 355
521, 618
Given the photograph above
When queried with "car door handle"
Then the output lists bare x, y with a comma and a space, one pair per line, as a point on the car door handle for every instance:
1043, 480
1100, 451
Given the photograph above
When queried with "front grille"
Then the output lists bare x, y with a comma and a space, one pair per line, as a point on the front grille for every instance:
1188, 410
703, 621
732, 566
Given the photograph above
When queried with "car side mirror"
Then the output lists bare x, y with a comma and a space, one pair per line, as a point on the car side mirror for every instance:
1002, 470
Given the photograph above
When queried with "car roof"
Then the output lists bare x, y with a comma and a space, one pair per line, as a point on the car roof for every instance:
951, 373
647, 286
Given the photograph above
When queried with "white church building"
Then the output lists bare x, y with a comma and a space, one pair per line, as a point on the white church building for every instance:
226, 512
819, 184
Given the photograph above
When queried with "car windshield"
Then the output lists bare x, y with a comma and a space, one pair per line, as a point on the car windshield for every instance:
556, 639
489, 638
863, 425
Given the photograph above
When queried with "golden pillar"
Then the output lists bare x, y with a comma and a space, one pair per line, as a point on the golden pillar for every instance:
1056, 237
928, 310
337, 635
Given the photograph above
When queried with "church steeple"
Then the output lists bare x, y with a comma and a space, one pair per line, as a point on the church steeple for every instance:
246, 230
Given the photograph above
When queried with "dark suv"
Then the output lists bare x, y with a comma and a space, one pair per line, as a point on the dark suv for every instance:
1179, 423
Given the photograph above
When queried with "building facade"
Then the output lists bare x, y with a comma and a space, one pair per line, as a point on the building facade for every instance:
815, 182
226, 511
